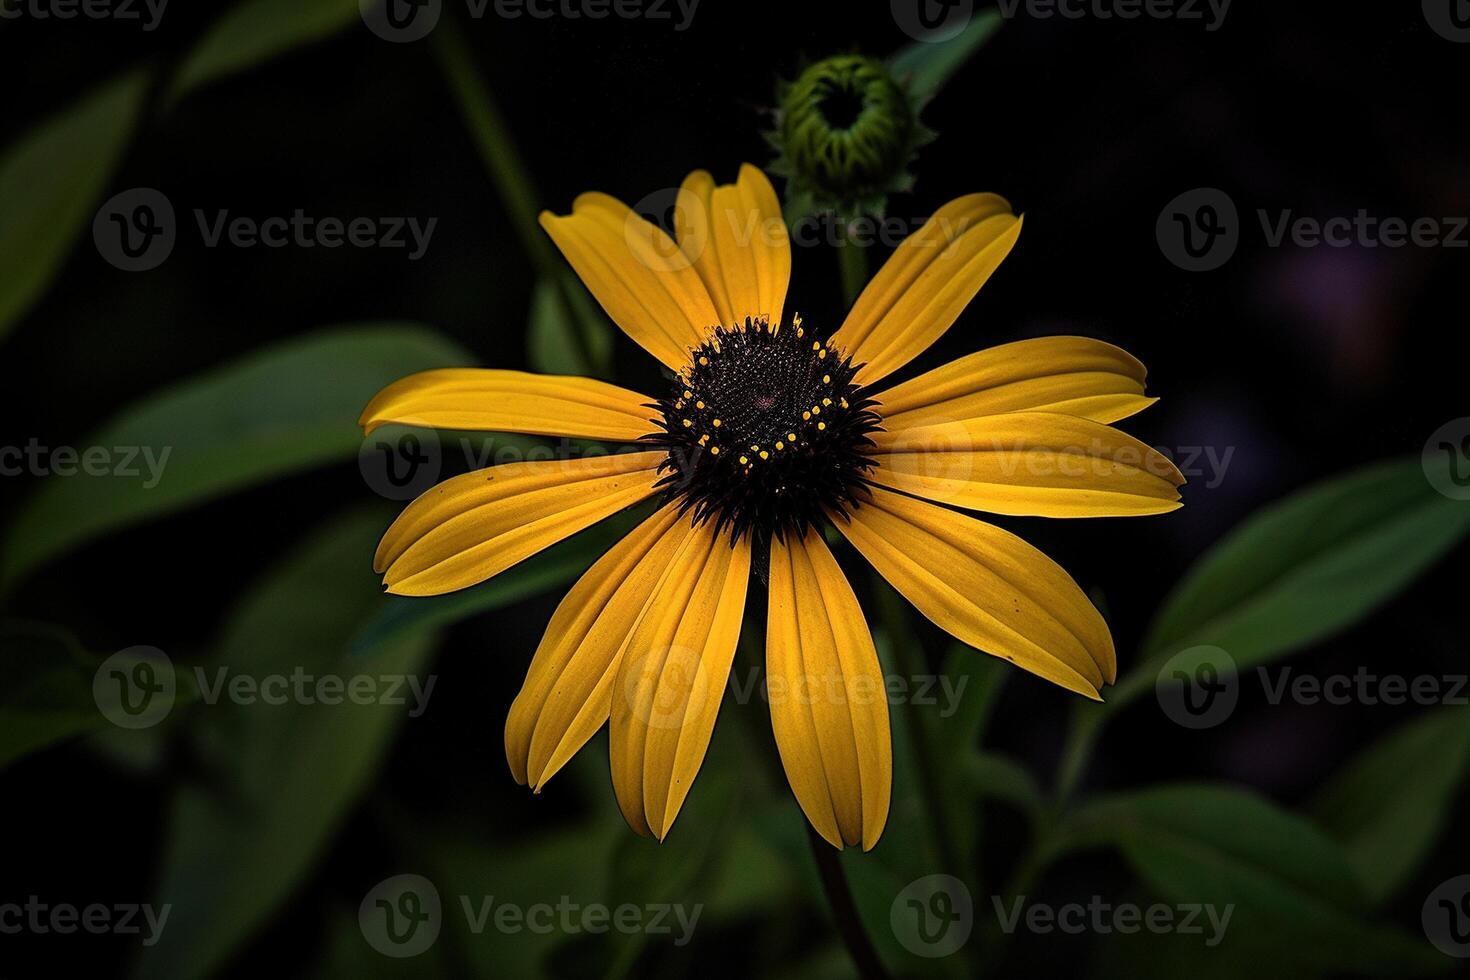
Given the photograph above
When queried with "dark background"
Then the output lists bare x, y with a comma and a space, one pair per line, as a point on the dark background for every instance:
1303, 362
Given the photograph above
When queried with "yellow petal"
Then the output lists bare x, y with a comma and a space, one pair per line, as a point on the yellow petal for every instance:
986, 587
1029, 464
1068, 375
737, 240
567, 695
930, 278
477, 525
639, 275
672, 676
829, 705
512, 401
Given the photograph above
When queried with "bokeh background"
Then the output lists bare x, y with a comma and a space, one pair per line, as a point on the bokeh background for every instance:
265, 827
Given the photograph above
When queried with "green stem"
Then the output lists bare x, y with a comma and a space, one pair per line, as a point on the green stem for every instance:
853, 262
508, 172
1087, 724
844, 909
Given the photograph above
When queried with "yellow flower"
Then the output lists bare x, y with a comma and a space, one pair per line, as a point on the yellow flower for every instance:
767, 434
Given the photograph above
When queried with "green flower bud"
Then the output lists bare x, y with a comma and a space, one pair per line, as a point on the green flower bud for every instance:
846, 131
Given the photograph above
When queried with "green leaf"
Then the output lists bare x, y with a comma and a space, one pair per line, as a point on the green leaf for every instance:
276, 412
47, 694
927, 65
1290, 888
1305, 568
993, 776
257, 30
284, 776
50, 183
1390, 805
406, 616
567, 335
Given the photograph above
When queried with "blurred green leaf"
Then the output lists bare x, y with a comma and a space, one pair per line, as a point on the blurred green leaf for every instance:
927, 65
990, 775
275, 412
1304, 568
257, 30
285, 775
1389, 805
51, 180
562, 562
564, 340
1290, 887
47, 689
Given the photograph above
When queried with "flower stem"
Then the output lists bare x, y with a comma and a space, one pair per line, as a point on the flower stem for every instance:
853, 262
844, 909
498, 151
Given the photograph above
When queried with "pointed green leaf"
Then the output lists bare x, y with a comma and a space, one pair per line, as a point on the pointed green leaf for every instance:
1390, 805
51, 181
566, 340
1305, 568
279, 411
257, 30
284, 775
927, 65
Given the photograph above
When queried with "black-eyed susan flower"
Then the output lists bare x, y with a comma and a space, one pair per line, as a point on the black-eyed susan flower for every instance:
768, 433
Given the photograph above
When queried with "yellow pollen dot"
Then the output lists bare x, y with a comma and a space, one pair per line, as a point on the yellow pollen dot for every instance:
716, 423
821, 354
687, 423
827, 401
806, 416
816, 410
799, 333
704, 439
754, 445
688, 393
765, 455
842, 402
699, 404
826, 379
714, 450
780, 445
704, 361
821, 425
816, 345
743, 460
791, 436
679, 403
